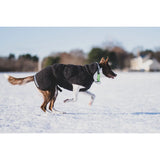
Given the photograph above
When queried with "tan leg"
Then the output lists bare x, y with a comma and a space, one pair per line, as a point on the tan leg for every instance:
47, 97
43, 106
51, 105
52, 101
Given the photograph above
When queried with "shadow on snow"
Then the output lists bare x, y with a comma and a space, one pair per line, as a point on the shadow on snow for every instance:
146, 113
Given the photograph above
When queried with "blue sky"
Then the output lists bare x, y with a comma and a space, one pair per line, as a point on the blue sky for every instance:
44, 40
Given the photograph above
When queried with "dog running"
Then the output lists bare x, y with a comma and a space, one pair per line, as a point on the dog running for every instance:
75, 78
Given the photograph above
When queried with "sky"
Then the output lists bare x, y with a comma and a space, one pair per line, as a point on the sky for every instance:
42, 41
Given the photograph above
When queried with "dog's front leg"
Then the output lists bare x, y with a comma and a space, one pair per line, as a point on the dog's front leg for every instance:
91, 95
76, 89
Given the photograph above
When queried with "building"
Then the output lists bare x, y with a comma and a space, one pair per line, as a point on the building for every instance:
144, 64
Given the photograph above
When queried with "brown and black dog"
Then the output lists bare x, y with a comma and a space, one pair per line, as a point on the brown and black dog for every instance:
75, 78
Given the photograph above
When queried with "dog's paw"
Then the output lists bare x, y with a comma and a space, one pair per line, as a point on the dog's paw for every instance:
90, 103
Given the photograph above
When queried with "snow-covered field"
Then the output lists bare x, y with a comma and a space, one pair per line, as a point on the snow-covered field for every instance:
129, 103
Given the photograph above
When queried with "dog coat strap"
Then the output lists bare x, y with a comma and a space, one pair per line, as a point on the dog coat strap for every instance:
35, 81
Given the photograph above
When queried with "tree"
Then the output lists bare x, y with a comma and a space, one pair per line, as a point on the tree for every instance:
147, 52
28, 56
25, 56
157, 55
113, 59
35, 58
11, 56
95, 55
49, 61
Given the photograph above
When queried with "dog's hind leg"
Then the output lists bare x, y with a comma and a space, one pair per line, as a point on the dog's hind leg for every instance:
47, 98
43, 106
52, 101
51, 104
53, 98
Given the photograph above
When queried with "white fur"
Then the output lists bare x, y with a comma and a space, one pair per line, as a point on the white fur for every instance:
76, 89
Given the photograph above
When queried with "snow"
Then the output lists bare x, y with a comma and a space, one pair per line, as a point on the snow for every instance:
129, 103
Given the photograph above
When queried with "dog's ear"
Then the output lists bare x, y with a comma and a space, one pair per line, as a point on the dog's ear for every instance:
106, 60
102, 61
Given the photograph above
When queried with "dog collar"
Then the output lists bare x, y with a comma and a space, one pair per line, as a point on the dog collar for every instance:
98, 73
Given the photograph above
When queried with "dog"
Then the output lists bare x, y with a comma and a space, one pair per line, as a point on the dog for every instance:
75, 78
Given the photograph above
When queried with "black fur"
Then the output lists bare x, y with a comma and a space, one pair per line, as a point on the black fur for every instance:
66, 75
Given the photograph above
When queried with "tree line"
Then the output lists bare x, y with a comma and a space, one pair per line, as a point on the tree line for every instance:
24, 63
119, 58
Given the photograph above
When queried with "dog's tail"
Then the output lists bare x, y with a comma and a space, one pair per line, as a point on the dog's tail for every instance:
19, 81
